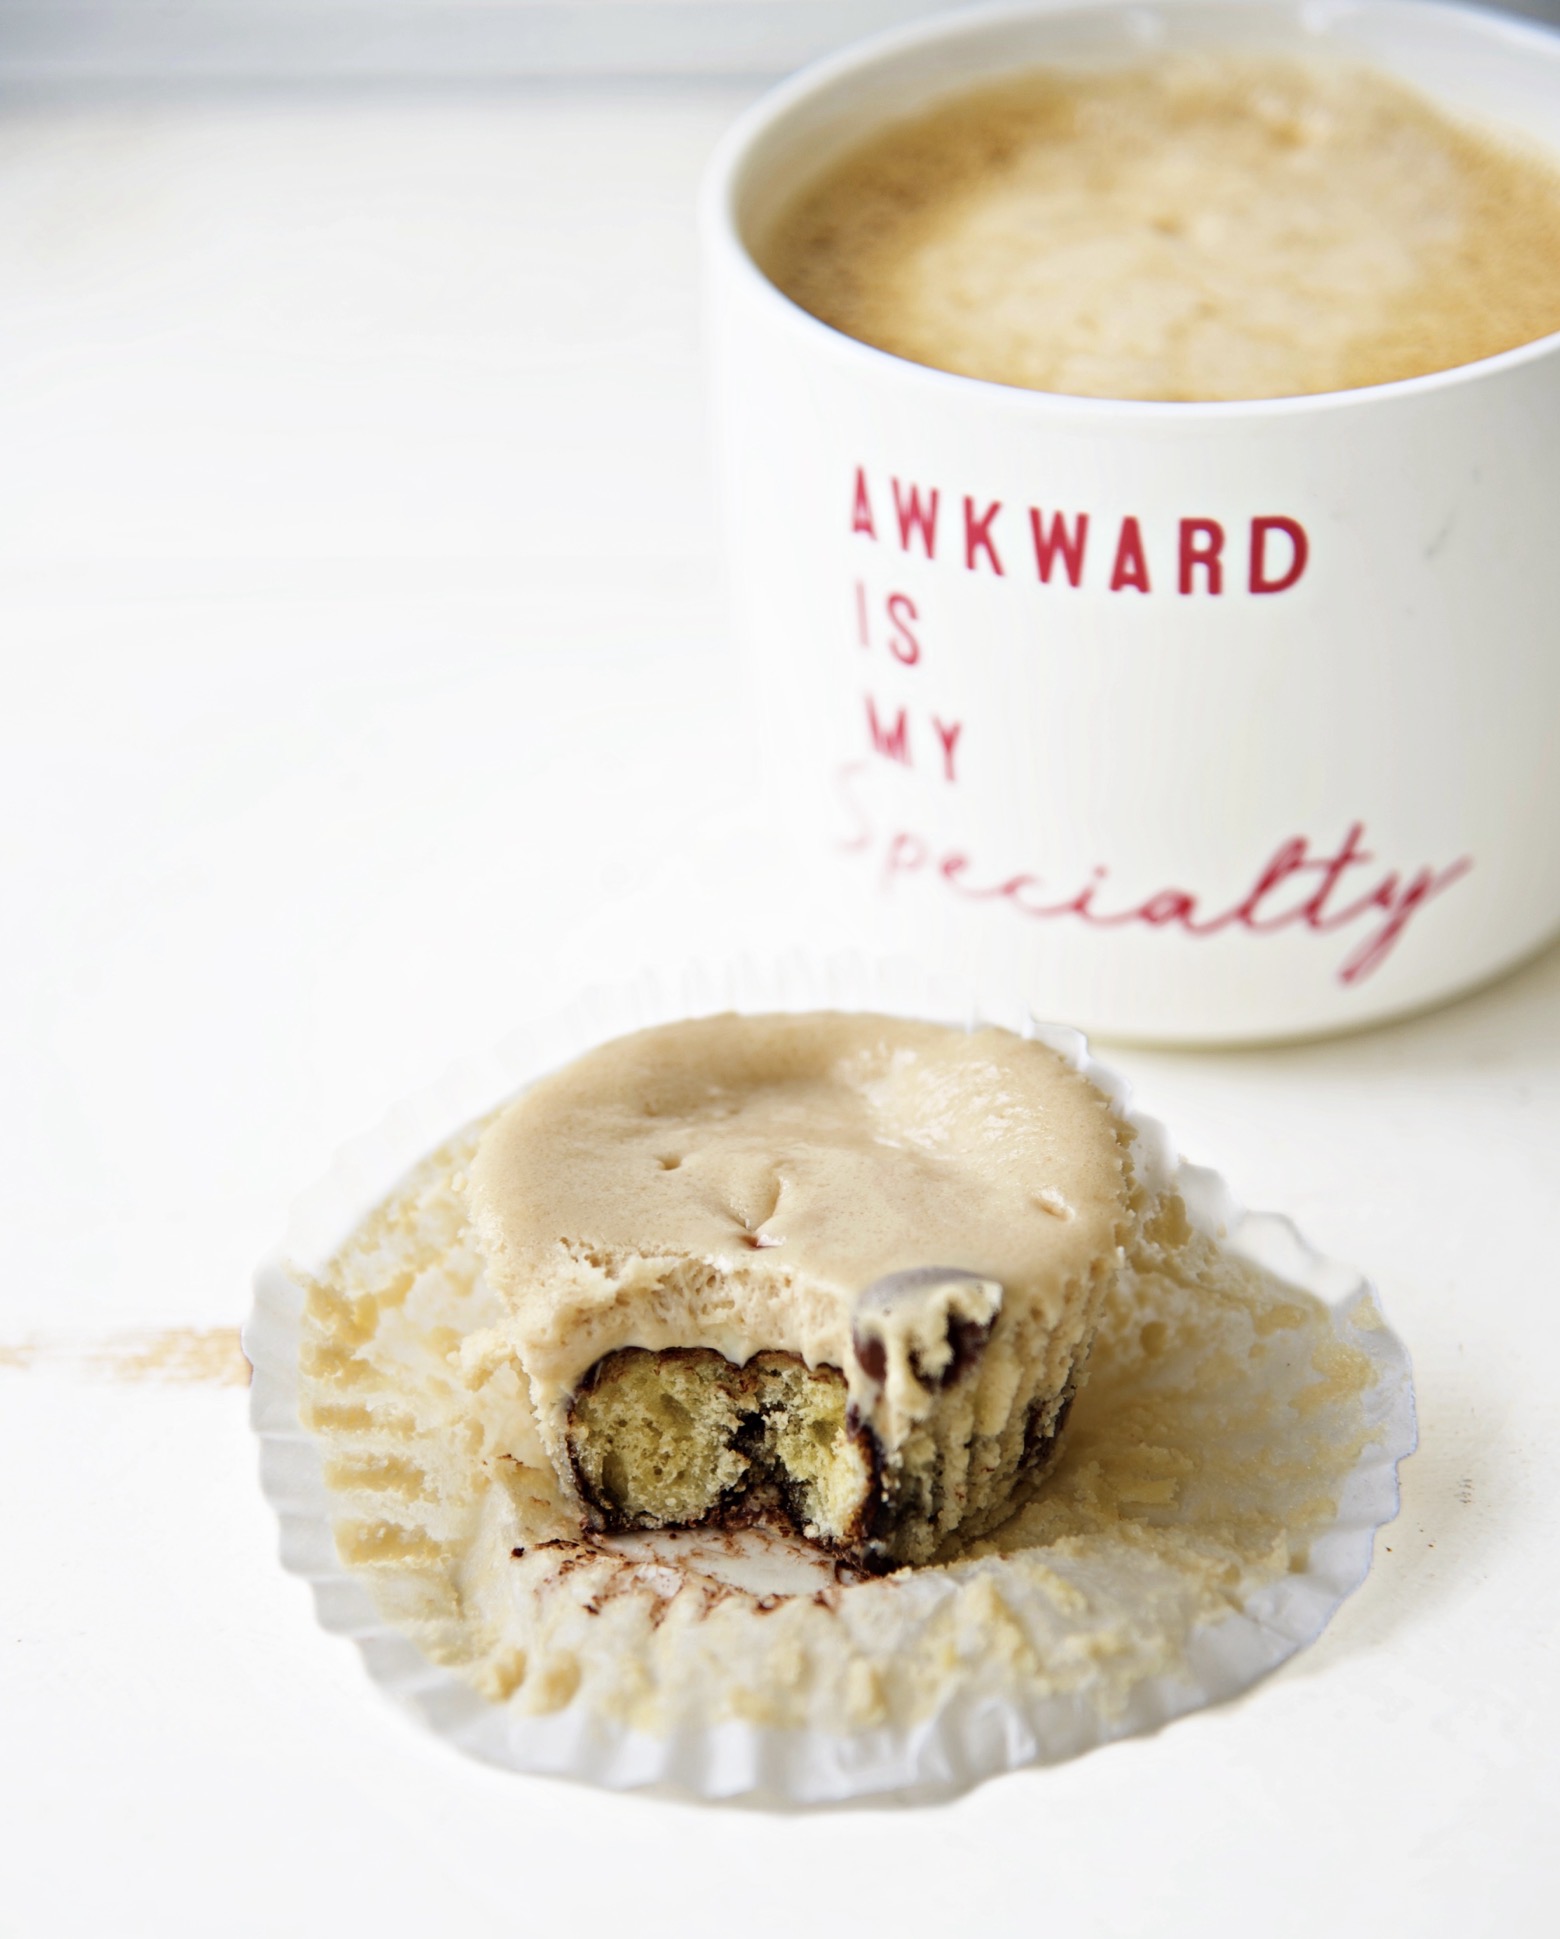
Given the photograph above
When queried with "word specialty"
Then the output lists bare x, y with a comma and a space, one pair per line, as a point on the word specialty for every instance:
1329, 890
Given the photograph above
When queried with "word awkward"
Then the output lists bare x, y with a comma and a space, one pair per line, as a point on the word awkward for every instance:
1061, 548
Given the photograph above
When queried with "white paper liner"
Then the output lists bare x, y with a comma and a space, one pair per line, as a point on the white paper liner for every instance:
968, 1738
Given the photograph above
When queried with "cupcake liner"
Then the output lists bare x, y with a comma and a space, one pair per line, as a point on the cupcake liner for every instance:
973, 1732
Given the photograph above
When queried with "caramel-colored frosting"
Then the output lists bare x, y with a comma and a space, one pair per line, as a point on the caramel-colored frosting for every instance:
740, 1182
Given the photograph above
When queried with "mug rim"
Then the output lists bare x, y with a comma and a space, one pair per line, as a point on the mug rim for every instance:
723, 181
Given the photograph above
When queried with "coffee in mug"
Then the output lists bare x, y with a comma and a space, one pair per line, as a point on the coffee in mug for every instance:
1208, 226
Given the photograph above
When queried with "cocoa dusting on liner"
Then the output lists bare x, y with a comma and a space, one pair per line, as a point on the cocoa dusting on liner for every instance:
698, 1589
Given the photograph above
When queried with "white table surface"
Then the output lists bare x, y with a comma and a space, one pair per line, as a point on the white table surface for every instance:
364, 690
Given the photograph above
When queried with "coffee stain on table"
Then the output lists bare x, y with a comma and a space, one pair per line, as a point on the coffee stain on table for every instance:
175, 1356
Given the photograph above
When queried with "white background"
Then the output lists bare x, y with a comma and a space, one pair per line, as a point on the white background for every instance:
364, 689
63, 40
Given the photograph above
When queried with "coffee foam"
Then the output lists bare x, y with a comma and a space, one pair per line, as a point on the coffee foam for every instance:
1209, 227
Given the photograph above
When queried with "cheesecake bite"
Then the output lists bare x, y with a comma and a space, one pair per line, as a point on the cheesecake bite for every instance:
835, 1271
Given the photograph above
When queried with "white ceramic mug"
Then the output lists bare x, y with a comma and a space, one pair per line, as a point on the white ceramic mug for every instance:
1205, 721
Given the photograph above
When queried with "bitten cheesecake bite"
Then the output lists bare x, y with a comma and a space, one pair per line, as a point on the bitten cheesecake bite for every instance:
838, 1271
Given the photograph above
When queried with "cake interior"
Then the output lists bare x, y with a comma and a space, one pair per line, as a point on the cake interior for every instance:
683, 1436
